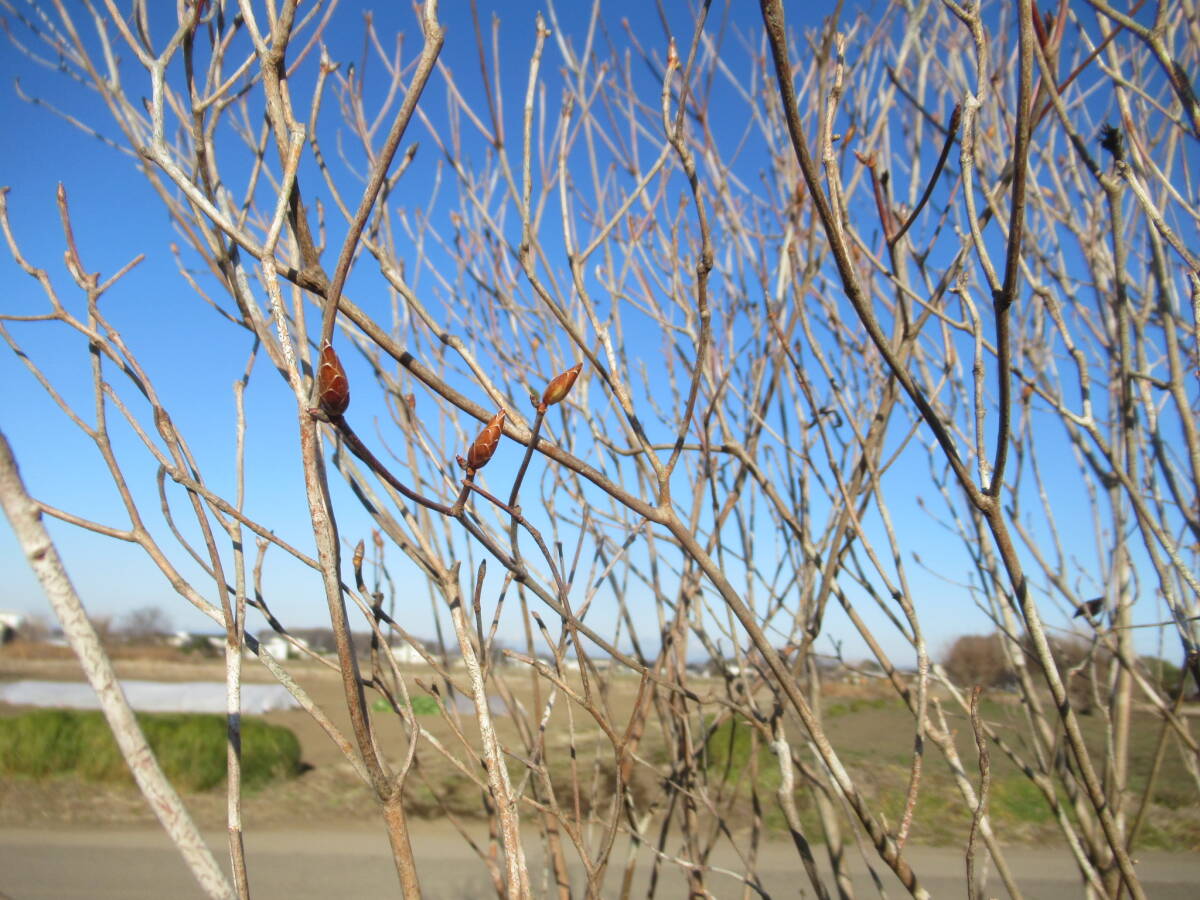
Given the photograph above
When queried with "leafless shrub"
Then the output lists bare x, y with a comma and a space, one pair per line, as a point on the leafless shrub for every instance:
144, 625
978, 659
942, 263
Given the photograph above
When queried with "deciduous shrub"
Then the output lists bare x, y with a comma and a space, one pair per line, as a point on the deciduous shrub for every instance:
978, 659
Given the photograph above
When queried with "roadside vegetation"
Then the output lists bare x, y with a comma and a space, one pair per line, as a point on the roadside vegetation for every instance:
191, 749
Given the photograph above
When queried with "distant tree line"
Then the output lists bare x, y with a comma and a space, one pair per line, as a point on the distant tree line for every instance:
987, 660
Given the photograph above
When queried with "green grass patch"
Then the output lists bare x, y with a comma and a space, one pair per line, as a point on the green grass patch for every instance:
727, 755
859, 704
422, 705
191, 749
1015, 798
939, 819
728, 748
1175, 795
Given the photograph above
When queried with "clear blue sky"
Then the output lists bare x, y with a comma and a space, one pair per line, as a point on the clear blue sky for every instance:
116, 216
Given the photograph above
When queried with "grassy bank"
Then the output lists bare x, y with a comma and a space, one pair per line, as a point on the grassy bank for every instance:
190, 748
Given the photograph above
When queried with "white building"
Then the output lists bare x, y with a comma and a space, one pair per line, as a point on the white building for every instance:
10, 624
407, 655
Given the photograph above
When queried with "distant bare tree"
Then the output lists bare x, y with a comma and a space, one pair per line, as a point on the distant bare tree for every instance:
146, 624
978, 659
33, 628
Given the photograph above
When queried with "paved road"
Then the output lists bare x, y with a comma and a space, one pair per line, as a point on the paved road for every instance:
140, 864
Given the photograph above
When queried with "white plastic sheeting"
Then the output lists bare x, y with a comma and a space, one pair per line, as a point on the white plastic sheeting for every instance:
150, 696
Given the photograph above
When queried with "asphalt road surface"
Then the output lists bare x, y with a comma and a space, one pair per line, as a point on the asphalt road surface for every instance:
301, 863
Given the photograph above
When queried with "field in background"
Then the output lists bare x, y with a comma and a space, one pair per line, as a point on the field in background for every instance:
870, 730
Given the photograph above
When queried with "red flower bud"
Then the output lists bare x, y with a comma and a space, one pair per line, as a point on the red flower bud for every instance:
485, 445
557, 389
333, 390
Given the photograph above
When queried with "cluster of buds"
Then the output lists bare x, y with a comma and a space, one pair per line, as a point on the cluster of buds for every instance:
333, 396
481, 451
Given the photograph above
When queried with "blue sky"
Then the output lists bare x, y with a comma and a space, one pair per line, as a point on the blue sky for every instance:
116, 216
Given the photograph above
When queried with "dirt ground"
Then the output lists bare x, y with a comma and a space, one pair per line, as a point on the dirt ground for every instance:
319, 834
300, 863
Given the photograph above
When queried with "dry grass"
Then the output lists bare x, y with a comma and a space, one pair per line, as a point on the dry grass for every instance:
871, 731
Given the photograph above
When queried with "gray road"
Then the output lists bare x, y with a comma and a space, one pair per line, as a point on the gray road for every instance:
132, 864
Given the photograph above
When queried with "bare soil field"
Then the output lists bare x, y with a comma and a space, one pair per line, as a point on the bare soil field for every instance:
319, 834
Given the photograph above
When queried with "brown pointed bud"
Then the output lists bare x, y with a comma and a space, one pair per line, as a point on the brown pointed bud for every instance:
358, 555
485, 445
557, 389
333, 390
